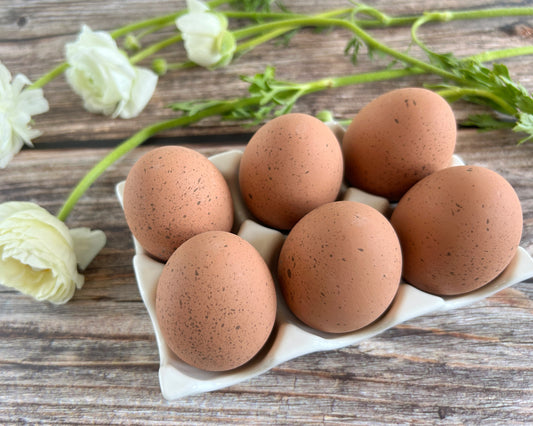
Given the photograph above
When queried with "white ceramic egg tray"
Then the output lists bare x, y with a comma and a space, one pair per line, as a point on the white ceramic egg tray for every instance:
290, 337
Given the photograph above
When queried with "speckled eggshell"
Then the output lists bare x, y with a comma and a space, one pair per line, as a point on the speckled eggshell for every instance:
398, 139
340, 267
290, 166
171, 194
459, 229
216, 301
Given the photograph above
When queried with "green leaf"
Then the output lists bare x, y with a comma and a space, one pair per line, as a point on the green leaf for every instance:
286, 38
525, 124
487, 122
495, 89
352, 49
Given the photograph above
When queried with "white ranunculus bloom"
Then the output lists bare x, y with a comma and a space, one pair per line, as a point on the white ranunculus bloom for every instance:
17, 105
39, 255
205, 35
105, 79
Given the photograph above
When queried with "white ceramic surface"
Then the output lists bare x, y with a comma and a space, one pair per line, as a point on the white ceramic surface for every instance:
291, 338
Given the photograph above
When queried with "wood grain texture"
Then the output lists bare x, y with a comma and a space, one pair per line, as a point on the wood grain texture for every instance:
95, 361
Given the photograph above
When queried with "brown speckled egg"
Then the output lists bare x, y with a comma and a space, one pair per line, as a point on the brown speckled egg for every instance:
172, 193
398, 139
291, 165
216, 301
340, 267
459, 228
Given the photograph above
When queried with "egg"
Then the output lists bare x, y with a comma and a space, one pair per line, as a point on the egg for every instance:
459, 228
340, 267
291, 165
398, 139
171, 194
216, 301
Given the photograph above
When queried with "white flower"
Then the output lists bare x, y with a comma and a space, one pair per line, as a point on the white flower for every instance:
17, 105
105, 79
39, 255
207, 41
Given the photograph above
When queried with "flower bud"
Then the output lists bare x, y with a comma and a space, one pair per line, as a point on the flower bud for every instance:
160, 66
206, 38
325, 116
132, 43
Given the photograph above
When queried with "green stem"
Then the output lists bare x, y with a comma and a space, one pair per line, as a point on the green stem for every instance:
158, 21
362, 78
49, 76
374, 76
359, 32
155, 48
281, 16
181, 65
491, 13
269, 35
502, 54
324, 20
263, 38
365, 23
464, 15
136, 140
153, 29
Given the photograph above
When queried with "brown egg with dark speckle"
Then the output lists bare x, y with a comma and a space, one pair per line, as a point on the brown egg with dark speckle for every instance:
340, 267
171, 194
459, 229
216, 301
290, 166
398, 139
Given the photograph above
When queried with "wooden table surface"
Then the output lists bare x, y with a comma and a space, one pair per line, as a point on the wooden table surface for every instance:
94, 360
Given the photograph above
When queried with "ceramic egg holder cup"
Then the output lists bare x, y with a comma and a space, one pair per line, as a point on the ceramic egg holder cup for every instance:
290, 337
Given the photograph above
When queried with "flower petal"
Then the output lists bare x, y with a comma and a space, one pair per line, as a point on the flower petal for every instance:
202, 50
206, 24
141, 92
5, 79
33, 102
8, 146
11, 207
87, 244
196, 6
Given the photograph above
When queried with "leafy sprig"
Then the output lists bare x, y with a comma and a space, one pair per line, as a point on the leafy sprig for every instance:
511, 103
491, 87
268, 97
